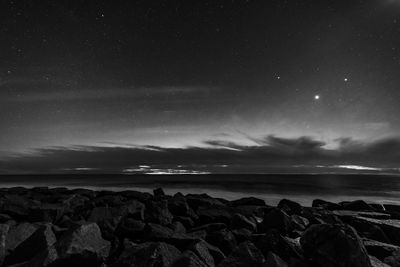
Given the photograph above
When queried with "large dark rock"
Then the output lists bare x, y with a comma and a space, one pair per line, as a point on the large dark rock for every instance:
130, 228
274, 260
357, 205
223, 239
248, 201
379, 249
276, 219
158, 192
290, 207
394, 259
189, 259
40, 240
325, 204
18, 234
197, 200
80, 247
334, 245
18, 207
282, 246
246, 254
158, 212
157, 254
239, 221
47, 212
376, 262
200, 248
3, 235
214, 215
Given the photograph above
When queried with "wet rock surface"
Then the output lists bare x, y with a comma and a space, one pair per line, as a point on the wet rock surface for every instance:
80, 227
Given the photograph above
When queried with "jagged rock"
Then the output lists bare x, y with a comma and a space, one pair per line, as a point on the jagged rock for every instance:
325, 204
80, 247
186, 221
17, 206
394, 259
136, 195
240, 221
40, 240
200, 248
357, 205
379, 249
47, 212
188, 259
210, 227
214, 215
376, 262
18, 234
158, 192
157, 212
223, 239
3, 235
272, 240
274, 260
290, 207
197, 200
391, 228
246, 254
334, 245
367, 214
4, 218
298, 222
178, 227
276, 219
242, 234
130, 228
248, 201
148, 254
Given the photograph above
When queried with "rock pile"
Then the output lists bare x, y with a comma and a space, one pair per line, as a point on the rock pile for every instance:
43, 227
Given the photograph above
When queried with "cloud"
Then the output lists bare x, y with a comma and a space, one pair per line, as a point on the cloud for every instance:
270, 153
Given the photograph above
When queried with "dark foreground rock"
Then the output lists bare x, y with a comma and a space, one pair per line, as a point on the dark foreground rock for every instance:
56, 227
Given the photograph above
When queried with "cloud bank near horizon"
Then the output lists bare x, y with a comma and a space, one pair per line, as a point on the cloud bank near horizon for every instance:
269, 154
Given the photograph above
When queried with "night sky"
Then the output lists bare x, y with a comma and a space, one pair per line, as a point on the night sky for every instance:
199, 86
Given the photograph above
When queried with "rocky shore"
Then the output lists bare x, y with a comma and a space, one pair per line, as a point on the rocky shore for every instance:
80, 227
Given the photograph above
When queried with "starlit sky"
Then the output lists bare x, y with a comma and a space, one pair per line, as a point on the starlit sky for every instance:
199, 86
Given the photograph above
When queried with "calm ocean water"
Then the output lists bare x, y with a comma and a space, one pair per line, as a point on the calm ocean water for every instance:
271, 187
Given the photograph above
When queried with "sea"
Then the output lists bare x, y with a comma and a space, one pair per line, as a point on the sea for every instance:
303, 188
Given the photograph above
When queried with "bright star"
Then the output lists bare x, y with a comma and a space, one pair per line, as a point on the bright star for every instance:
316, 97
345, 79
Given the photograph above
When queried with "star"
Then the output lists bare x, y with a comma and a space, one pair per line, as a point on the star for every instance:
345, 79
316, 97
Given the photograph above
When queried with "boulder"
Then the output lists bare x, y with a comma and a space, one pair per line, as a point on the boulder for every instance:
242, 234
18, 234
80, 247
274, 260
290, 207
282, 246
276, 219
3, 235
248, 201
214, 215
130, 228
394, 259
197, 200
223, 239
157, 212
240, 221
40, 240
246, 254
189, 259
325, 204
148, 254
200, 248
334, 245
158, 192
379, 249
357, 205
376, 262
